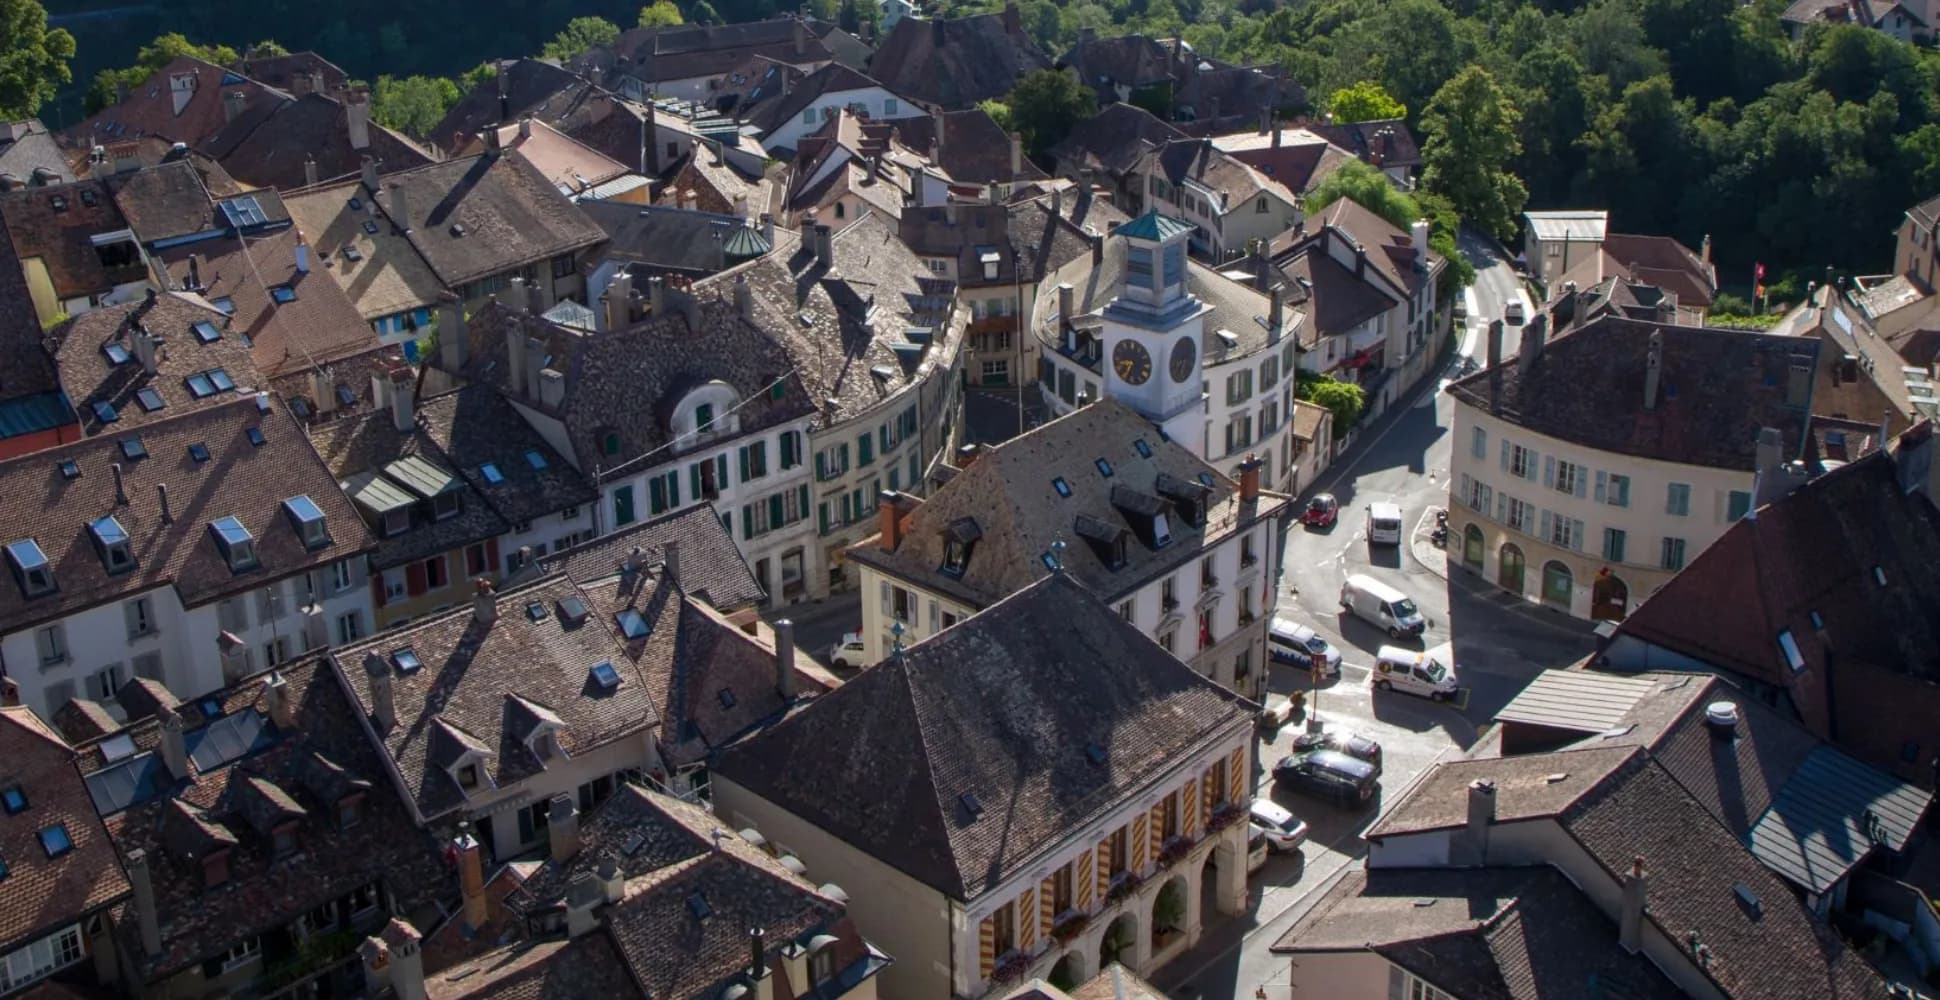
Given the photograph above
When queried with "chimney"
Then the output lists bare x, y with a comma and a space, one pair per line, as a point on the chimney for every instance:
535, 353
144, 885
1798, 384
302, 254
1771, 452
741, 208
525, 127
1636, 895
891, 519
1067, 297
403, 397
743, 298
1530, 350
552, 388
309, 171
1276, 313
515, 296
320, 393
367, 169
161, 494
619, 299
494, 145
612, 883
670, 560
121, 493
315, 635
175, 747
584, 894
785, 659
1013, 19
562, 827
1016, 154
233, 103
1266, 120
394, 962
10, 692
400, 210
1249, 480
758, 956
234, 656
144, 344
690, 200
1704, 252
357, 118
801, 36
1276, 136
515, 363
538, 293
471, 876
277, 697
484, 601
768, 228
1653, 368
383, 704
454, 340
1495, 369
1481, 816
825, 245
936, 135
1420, 231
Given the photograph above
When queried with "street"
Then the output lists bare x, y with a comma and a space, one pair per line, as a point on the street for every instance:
1496, 643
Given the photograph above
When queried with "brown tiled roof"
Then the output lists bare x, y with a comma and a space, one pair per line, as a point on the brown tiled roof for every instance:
1328, 293
954, 62
318, 326
1002, 708
1025, 233
560, 158
150, 107
587, 966
1666, 263
716, 185
686, 51
281, 71
1104, 64
476, 425
1383, 144
182, 323
81, 720
975, 149
240, 479
1529, 786
271, 152
1113, 140
170, 200
388, 276
152, 151
711, 568
533, 87
228, 801
1390, 249
1717, 389
1199, 161
45, 892
1299, 166
477, 216
470, 671
57, 224
1009, 493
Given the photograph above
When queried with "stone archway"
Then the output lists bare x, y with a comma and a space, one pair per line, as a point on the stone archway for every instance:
1171, 913
1119, 943
1472, 546
1069, 972
1508, 573
1559, 586
1609, 598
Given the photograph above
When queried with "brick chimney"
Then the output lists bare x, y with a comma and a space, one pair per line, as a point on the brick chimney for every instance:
484, 601
562, 827
1249, 479
393, 961
1636, 896
383, 701
891, 520
785, 659
471, 876
143, 883
357, 118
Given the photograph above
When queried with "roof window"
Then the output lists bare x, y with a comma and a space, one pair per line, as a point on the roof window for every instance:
117, 354
1063, 488
105, 412
234, 541
15, 799
206, 331
490, 471
1790, 647
697, 907
224, 305
199, 385
345, 397
149, 399
199, 452
535, 611
406, 660
307, 517
603, 674
536, 460
30, 567
55, 841
255, 436
1144, 450
572, 610
633, 625
111, 540
727, 697
1095, 754
70, 469
1104, 468
132, 448
972, 807
283, 294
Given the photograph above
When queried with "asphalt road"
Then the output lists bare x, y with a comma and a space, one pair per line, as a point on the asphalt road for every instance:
1496, 643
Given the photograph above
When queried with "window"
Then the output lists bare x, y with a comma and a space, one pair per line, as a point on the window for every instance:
340, 576
1239, 387
15, 799
350, 627
232, 614
1247, 556
141, 617
791, 449
1208, 577
40, 958
394, 584
1118, 853
821, 962
1477, 494
704, 417
436, 574
467, 776
149, 399
103, 683
1677, 499
1125, 611
1168, 599
1613, 489
1417, 989
55, 841
754, 460
475, 562
1520, 514
246, 951
1005, 923
237, 545
1239, 432
562, 266
1569, 477
1522, 461
1613, 539
283, 294
1167, 638
1673, 554
1737, 505
283, 840
276, 650
1564, 533
52, 644
1061, 894
1205, 629
890, 107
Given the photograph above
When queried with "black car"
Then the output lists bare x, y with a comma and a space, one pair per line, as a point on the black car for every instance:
1352, 744
1328, 774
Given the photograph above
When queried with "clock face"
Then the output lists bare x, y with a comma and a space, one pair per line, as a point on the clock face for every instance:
1185, 354
1132, 362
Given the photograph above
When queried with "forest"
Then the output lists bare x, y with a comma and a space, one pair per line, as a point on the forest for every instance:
1683, 117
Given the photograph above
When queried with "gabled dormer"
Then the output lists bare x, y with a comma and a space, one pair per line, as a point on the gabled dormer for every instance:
1108, 541
1146, 514
462, 756
1189, 498
31, 571
534, 727
959, 539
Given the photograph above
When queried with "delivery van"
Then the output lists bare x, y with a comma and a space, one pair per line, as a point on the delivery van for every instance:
1413, 672
1381, 606
1383, 524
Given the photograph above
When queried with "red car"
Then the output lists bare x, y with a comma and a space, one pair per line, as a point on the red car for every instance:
1321, 511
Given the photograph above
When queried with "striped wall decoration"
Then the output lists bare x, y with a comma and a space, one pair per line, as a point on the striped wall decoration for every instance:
1026, 927
987, 945
1085, 881
1209, 790
1140, 827
1236, 774
1189, 822
1156, 829
1047, 897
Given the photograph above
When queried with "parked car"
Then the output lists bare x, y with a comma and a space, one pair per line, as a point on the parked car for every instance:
1322, 511
1382, 606
1328, 774
1284, 831
1383, 524
1512, 315
1277, 712
1256, 849
1352, 744
1291, 642
1414, 672
850, 652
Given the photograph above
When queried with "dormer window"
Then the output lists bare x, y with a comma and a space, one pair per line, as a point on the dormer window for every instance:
958, 541
111, 541
467, 775
350, 810
704, 417
396, 522
234, 541
1161, 531
30, 567
307, 518
444, 505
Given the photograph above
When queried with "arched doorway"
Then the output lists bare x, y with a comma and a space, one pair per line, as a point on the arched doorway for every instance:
1609, 598
1120, 943
1559, 586
1169, 913
1069, 973
1472, 547
1508, 571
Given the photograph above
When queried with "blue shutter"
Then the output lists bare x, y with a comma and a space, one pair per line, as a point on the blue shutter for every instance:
1580, 484
1505, 455
1602, 480
1545, 527
1576, 535
1549, 471
1502, 508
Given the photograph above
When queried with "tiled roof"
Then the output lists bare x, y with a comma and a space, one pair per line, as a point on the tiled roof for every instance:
1391, 250
1113, 140
1011, 494
198, 339
387, 276
1122, 61
974, 148
172, 200
664, 240
56, 225
470, 671
1507, 933
149, 152
150, 108
832, 78
568, 163
1332, 296
532, 87
317, 325
586, 966
25, 147
717, 183
1233, 182
272, 152
711, 566
1299, 161
1026, 235
1384, 143
477, 216
954, 62
281, 71
45, 892
1717, 389
475, 426
1000, 707
304, 770
30, 391
239, 479
1530, 786
686, 51
1666, 263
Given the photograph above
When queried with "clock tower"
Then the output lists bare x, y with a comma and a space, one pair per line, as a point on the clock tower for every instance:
1153, 331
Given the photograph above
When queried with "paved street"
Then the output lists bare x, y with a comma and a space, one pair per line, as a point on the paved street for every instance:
1497, 645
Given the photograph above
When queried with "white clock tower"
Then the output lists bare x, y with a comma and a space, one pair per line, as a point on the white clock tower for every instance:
1153, 331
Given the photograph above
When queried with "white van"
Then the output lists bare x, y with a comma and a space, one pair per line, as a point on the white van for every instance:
1383, 524
1397, 669
1382, 606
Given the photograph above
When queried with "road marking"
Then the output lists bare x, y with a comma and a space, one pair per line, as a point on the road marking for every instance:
1470, 307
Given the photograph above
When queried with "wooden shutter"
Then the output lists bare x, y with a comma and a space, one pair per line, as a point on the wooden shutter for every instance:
1209, 790
986, 946
1047, 895
1027, 927
491, 557
1104, 868
1236, 776
1156, 828
1082, 885
414, 579
1141, 834
1189, 810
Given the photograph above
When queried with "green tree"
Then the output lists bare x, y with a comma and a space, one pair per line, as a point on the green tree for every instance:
1046, 104
1365, 101
1471, 138
581, 34
1371, 188
482, 73
413, 105
1640, 149
152, 57
999, 112
33, 58
268, 48
1344, 400
1557, 101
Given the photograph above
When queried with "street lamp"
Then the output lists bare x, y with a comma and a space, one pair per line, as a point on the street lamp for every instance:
1317, 672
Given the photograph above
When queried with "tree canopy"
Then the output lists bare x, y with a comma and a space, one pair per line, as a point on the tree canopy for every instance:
660, 14
1365, 101
413, 105
1470, 133
1046, 104
33, 58
153, 56
581, 34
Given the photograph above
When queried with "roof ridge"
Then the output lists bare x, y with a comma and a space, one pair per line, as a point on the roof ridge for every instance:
940, 811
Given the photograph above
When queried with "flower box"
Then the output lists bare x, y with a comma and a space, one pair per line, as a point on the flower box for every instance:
1223, 815
1010, 968
1069, 926
1124, 885
1175, 849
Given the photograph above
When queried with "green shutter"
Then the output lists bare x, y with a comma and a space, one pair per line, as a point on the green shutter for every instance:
788, 456
747, 521
694, 479
865, 449
821, 466
656, 495
822, 517
776, 508
843, 462
673, 489
720, 471
801, 500
744, 464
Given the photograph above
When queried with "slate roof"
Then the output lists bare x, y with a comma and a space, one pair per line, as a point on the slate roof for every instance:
57, 224
1032, 242
1490, 934
184, 324
150, 107
1113, 140
712, 569
308, 767
388, 277
25, 147
1001, 707
477, 216
664, 240
271, 152
174, 199
533, 87
1717, 389
459, 697
318, 326
240, 479
1531, 786
44, 893
974, 148
1382, 143
954, 62
474, 426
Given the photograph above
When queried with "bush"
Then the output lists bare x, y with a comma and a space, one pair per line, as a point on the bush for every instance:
1345, 399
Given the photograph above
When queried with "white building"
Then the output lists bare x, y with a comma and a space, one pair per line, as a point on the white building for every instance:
1554, 242
826, 93
1229, 204
1589, 470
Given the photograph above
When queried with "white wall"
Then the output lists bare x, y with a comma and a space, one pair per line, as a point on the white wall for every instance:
563, 775
546, 533
1338, 975
878, 103
1271, 445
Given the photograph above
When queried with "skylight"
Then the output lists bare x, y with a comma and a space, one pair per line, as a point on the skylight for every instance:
632, 625
206, 331
255, 436
572, 610
15, 799
69, 468
200, 386
237, 545
1206, 479
221, 380
1063, 488
1095, 753
243, 212
105, 412
283, 294
55, 841
308, 518
199, 452
117, 354
120, 746
149, 399
224, 305
108, 531
132, 448
536, 460
604, 675
535, 611
229, 738
1104, 468
968, 800
1790, 647
407, 660
697, 907
727, 698
1144, 450
491, 473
